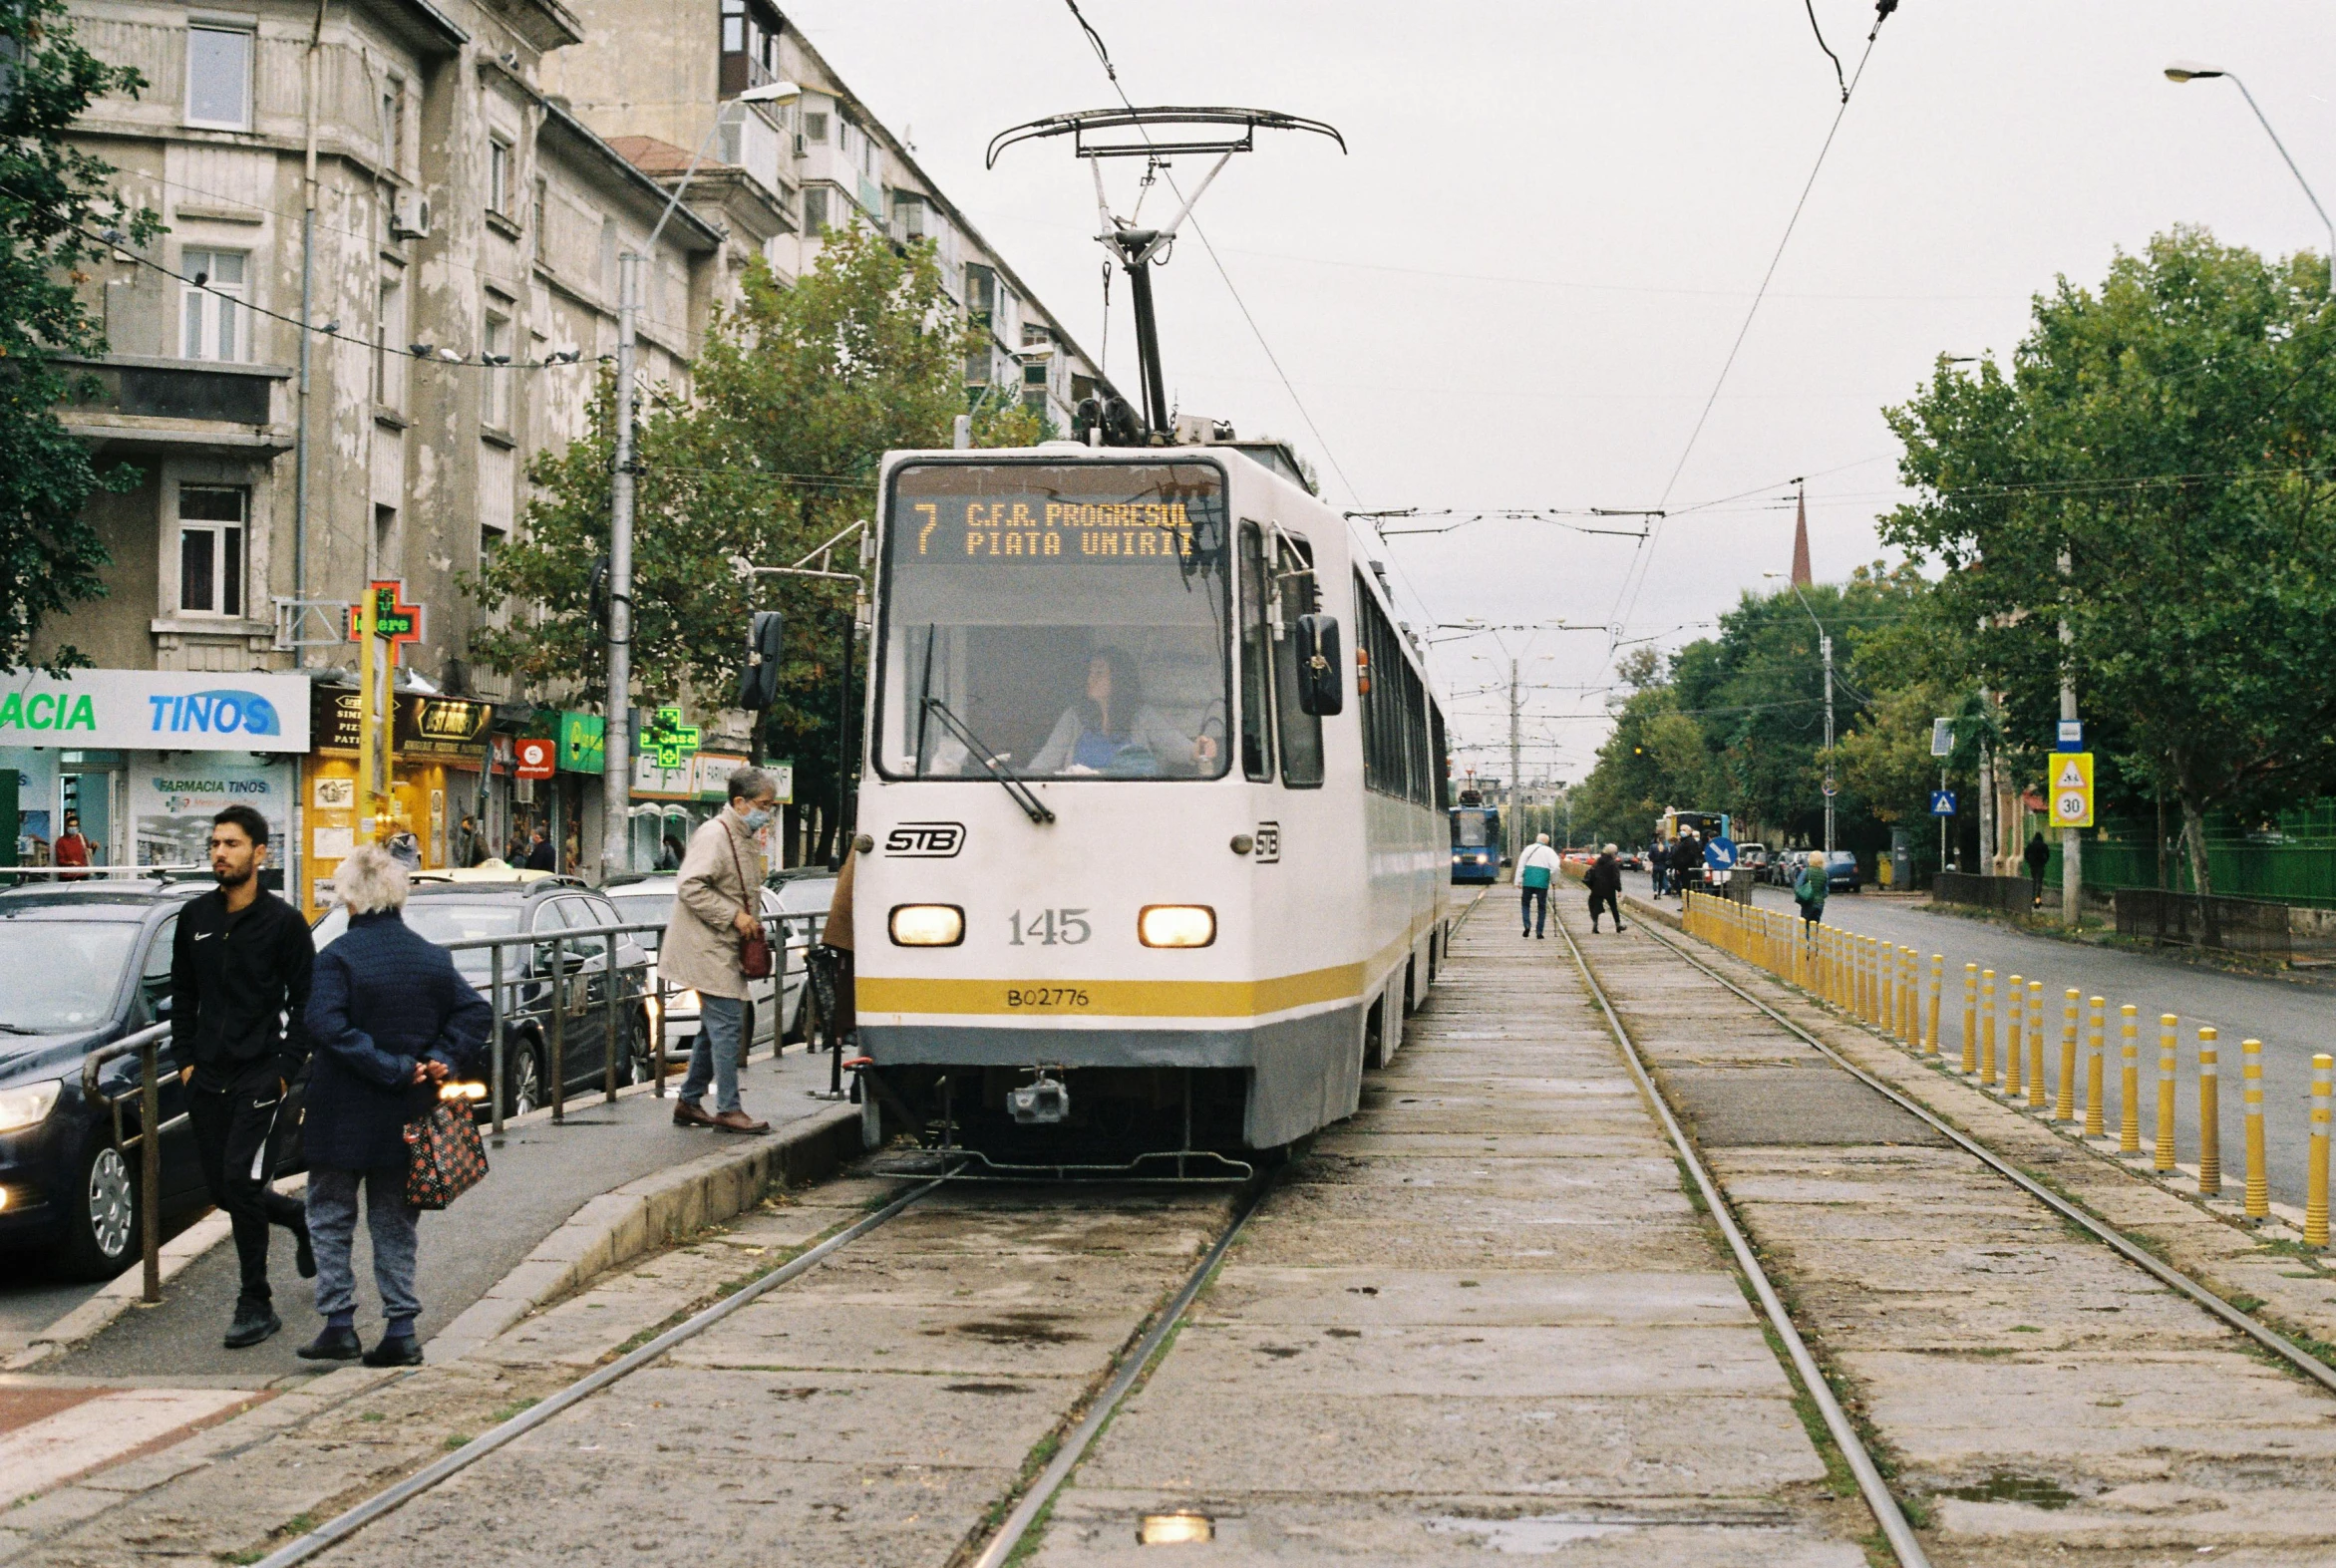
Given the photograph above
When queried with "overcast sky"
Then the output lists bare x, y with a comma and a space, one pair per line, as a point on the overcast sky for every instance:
1519, 287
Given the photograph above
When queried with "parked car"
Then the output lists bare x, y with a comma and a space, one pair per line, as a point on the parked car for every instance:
1783, 867
449, 909
82, 966
772, 1004
1841, 871
1753, 860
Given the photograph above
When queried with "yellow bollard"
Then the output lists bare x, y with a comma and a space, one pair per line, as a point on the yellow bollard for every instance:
2209, 1114
1986, 1027
2167, 1027
2016, 999
1884, 1014
1909, 997
2259, 1202
2035, 1044
1937, 984
2094, 1126
1970, 1019
2065, 1108
2129, 1049
2315, 1203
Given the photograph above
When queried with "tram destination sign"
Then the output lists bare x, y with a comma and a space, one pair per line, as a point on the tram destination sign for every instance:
1028, 516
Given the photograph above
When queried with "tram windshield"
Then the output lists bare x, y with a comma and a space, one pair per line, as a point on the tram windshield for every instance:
1468, 829
1068, 620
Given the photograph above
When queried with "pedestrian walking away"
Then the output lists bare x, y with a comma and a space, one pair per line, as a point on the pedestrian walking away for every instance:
1810, 889
713, 914
240, 962
1658, 868
391, 1020
1686, 862
2039, 855
1604, 880
835, 935
1535, 869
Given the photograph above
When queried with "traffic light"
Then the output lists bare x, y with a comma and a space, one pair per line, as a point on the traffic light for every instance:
758, 683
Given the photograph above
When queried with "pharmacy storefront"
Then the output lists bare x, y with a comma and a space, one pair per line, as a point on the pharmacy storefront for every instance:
137, 763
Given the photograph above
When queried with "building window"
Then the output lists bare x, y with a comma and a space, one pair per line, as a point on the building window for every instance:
219, 78
814, 126
749, 46
210, 549
388, 347
535, 221
214, 323
814, 209
393, 126
499, 175
908, 209
495, 350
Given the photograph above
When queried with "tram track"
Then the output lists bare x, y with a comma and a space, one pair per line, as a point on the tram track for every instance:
2246, 1323
1925, 1354
1024, 1506
1888, 1512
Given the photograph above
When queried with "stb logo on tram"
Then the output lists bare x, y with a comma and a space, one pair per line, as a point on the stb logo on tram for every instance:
925, 840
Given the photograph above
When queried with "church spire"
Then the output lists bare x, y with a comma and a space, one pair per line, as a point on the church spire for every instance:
1800, 577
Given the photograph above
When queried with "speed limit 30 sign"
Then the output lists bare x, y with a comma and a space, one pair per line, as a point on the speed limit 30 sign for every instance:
2072, 788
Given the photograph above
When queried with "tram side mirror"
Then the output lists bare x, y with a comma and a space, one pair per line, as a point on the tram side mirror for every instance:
1321, 690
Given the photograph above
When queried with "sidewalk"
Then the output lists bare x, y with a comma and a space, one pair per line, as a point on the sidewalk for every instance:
541, 1176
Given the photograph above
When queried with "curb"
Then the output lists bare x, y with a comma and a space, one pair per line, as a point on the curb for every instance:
120, 1292
645, 1215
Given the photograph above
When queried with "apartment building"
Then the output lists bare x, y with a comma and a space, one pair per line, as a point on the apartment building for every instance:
662, 82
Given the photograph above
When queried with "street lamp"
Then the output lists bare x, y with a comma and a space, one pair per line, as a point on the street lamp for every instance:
1825, 645
616, 782
2191, 71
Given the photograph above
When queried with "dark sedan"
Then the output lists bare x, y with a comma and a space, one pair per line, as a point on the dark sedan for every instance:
81, 967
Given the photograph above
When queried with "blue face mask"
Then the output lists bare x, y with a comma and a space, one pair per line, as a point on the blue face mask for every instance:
758, 819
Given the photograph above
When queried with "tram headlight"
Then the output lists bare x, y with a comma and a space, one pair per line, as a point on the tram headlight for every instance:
1176, 925
927, 925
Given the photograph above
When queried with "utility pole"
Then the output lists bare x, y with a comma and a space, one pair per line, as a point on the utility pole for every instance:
616, 763
2072, 852
1825, 645
1515, 833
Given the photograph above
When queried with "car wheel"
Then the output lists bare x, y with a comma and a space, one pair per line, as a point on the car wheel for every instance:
102, 1229
636, 1067
523, 1080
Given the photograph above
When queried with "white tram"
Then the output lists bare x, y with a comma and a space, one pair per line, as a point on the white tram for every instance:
1153, 829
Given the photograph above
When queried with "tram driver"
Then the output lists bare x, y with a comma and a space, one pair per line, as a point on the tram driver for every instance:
1112, 729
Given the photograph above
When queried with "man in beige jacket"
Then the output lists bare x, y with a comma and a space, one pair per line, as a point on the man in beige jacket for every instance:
721, 888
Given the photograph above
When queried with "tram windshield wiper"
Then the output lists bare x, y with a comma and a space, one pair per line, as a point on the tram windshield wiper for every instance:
1008, 781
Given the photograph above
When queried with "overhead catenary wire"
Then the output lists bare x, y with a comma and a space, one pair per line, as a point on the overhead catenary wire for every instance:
1634, 578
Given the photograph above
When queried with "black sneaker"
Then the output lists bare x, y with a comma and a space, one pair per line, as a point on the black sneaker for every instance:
254, 1321
304, 1255
333, 1344
404, 1350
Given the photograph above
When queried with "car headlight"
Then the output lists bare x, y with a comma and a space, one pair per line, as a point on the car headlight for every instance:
28, 1105
927, 925
1176, 925
686, 1000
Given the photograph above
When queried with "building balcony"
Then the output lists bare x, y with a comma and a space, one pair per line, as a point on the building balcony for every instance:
147, 402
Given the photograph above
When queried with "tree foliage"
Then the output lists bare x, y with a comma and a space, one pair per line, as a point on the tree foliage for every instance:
54, 199
799, 391
2156, 467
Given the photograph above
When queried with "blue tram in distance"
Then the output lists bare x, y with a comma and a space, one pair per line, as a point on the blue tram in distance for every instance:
1476, 841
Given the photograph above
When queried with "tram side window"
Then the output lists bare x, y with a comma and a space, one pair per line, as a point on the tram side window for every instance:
1256, 645
1439, 757
1301, 732
1395, 712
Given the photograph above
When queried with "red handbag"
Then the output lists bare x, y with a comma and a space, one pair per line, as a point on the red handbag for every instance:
753, 949
445, 1155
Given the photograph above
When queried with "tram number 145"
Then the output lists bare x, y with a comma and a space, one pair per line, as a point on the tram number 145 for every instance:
1048, 927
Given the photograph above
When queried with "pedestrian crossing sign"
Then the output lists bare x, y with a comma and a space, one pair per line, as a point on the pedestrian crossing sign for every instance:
2072, 788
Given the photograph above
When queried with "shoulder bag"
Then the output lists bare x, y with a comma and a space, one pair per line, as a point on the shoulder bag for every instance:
753, 949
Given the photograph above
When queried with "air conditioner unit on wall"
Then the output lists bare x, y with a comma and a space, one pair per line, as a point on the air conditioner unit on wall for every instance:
410, 215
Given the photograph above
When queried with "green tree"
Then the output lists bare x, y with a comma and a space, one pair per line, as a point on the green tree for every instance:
2156, 467
54, 200
799, 391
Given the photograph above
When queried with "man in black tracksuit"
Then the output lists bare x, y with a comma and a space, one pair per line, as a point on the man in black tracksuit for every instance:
239, 965
1686, 864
